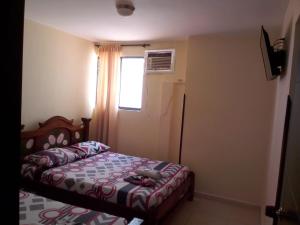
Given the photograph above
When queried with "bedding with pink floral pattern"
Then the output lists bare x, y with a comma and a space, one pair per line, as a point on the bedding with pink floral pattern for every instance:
51, 157
102, 177
35, 209
88, 148
31, 171
41, 160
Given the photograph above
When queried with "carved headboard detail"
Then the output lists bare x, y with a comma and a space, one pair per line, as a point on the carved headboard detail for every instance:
54, 132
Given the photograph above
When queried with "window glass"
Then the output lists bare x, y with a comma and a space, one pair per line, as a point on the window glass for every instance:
131, 86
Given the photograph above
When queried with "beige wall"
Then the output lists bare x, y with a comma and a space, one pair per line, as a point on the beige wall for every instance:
59, 72
229, 107
282, 91
154, 131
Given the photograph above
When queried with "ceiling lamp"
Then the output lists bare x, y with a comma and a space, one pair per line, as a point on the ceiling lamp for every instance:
125, 7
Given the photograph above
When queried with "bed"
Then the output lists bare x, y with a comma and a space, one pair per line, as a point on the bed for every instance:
96, 181
35, 209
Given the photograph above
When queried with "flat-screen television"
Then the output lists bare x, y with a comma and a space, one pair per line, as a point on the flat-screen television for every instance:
273, 60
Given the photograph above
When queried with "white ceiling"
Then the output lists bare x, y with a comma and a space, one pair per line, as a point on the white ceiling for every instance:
154, 19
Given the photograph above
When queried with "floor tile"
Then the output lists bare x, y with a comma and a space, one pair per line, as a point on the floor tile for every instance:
212, 212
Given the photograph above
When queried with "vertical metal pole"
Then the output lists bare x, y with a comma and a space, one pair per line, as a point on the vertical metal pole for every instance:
182, 124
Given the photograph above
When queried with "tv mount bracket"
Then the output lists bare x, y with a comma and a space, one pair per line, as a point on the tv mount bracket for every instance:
279, 55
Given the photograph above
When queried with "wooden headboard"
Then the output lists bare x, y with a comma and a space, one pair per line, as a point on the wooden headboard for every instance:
54, 132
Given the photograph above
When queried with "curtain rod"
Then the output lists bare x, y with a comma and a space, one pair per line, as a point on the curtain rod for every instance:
130, 45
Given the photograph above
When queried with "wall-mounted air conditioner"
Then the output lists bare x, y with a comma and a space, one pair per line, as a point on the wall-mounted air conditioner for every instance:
159, 61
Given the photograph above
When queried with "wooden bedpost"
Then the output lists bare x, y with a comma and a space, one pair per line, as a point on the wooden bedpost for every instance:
86, 128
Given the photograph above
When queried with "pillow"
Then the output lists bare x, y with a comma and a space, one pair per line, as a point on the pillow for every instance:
88, 148
39, 159
30, 171
52, 157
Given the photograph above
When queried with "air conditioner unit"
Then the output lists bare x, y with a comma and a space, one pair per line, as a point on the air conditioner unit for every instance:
159, 61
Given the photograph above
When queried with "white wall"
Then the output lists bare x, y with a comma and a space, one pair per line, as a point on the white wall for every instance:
282, 91
154, 131
229, 106
59, 72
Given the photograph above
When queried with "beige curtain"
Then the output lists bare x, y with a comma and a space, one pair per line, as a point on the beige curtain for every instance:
106, 108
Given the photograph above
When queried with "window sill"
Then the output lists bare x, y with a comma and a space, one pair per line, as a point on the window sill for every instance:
129, 109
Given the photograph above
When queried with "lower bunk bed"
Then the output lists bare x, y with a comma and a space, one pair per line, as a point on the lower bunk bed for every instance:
35, 209
62, 165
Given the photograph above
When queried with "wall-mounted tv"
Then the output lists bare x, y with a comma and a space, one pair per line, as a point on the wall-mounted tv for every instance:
273, 56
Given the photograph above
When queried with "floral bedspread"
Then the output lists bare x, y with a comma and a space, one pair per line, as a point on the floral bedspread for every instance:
36, 210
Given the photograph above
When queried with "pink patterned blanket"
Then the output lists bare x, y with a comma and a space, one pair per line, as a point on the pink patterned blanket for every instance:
102, 176
35, 209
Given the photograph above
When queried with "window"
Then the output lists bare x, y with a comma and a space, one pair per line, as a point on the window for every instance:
131, 86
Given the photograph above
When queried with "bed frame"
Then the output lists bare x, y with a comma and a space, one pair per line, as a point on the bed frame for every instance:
58, 132
54, 132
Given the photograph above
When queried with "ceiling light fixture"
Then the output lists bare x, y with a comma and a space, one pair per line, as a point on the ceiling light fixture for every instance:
125, 7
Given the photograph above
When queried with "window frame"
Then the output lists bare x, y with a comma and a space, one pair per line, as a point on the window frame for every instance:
130, 108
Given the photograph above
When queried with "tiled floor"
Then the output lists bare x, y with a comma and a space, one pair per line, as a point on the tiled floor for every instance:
212, 212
